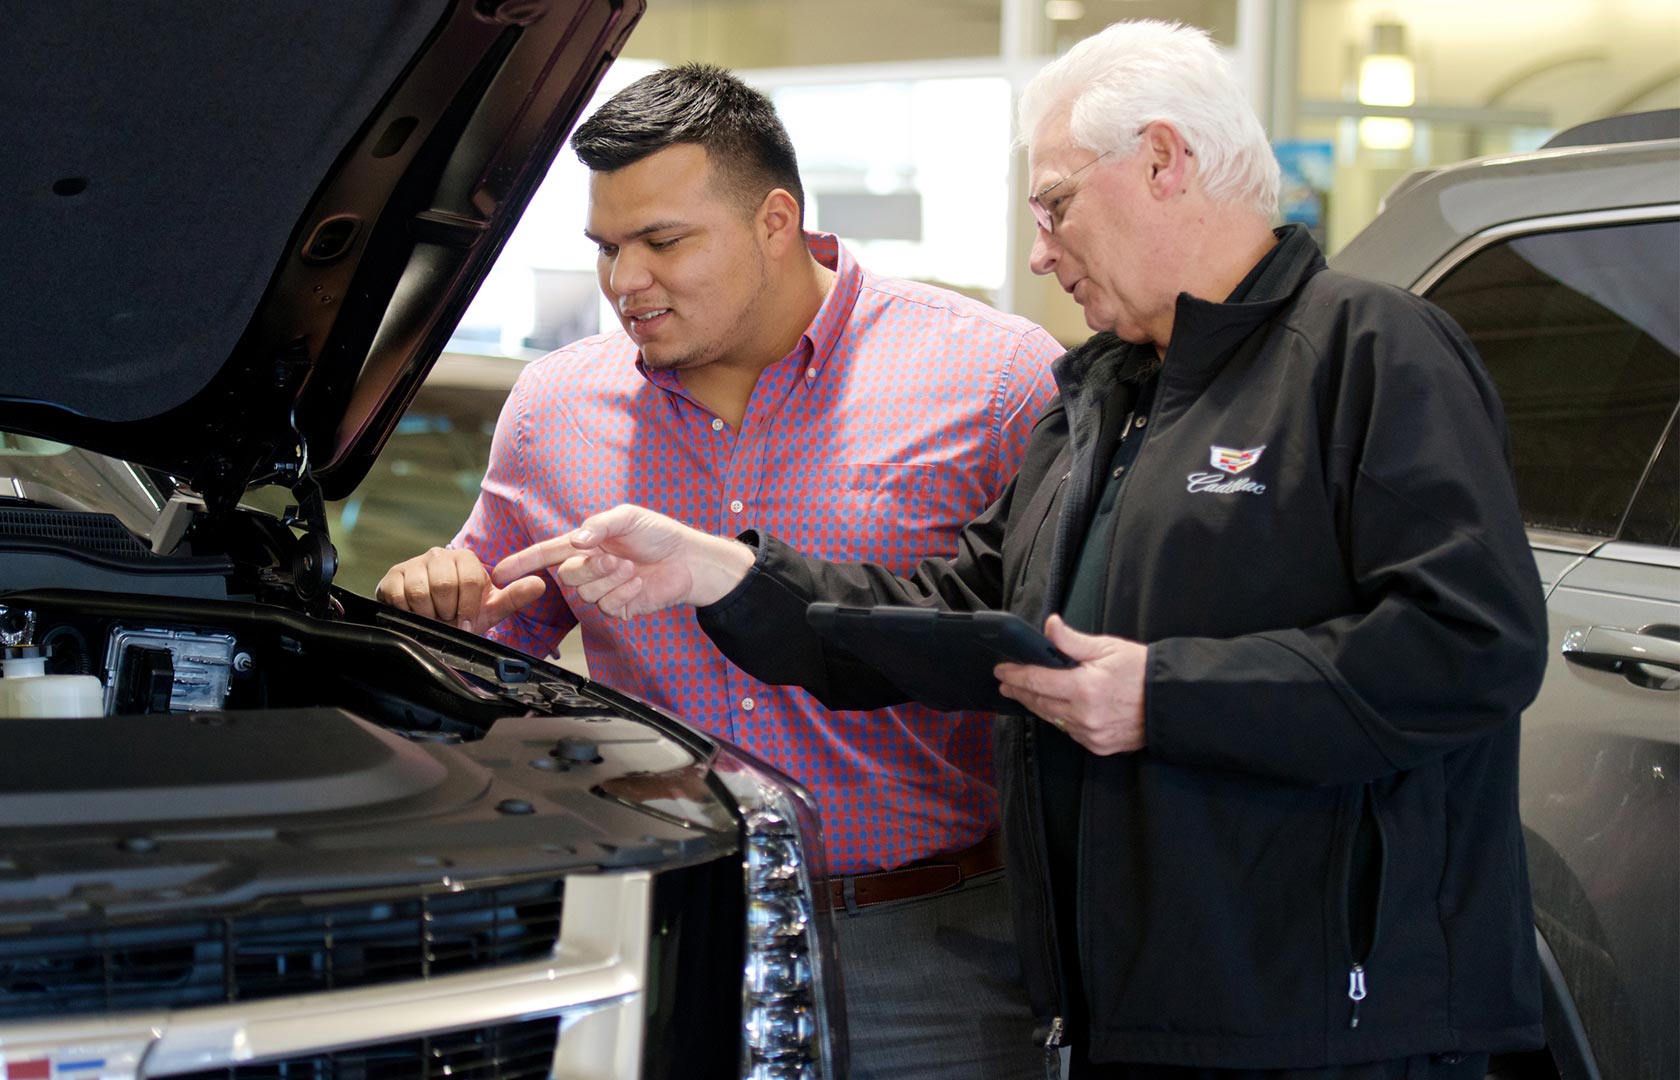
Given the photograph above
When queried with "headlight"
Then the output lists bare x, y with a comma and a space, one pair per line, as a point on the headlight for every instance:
793, 1019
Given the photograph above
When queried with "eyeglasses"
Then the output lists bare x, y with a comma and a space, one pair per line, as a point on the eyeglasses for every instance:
1041, 212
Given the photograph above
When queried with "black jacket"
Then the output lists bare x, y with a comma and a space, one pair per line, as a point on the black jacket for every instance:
1342, 633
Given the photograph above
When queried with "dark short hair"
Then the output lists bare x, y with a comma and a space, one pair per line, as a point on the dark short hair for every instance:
701, 104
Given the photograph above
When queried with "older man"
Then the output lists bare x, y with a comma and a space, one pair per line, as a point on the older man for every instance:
1268, 822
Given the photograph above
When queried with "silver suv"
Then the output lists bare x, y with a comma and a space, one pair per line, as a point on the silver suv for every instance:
1563, 266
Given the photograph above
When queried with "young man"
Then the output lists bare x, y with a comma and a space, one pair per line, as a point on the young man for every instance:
1267, 825
762, 379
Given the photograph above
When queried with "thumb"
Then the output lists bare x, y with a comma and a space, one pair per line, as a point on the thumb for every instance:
502, 603
1080, 646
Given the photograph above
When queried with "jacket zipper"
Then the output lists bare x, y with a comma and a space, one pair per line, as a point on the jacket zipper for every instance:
1074, 503
1053, 1048
1357, 972
1048, 948
1074, 500
1076, 506
1016, 586
1048, 942
1082, 467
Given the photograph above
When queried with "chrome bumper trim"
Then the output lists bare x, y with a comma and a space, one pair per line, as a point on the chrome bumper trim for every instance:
594, 985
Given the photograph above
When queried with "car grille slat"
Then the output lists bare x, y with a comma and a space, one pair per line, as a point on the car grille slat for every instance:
275, 952
518, 1051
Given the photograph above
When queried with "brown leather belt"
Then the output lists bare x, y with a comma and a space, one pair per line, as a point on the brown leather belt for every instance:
924, 877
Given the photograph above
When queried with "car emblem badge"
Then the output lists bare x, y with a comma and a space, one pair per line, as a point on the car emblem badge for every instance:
1226, 459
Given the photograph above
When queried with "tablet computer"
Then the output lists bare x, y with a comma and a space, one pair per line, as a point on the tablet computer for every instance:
940, 658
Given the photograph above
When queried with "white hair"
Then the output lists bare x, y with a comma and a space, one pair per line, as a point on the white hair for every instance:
1137, 72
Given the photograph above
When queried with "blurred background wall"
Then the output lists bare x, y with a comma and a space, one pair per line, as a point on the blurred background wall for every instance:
901, 113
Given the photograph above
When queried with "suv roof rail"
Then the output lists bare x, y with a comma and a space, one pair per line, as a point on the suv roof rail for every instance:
1629, 127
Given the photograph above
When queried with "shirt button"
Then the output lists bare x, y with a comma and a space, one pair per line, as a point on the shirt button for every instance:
717, 425
810, 373
747, 704
735, 506
1142, 420
1118, 470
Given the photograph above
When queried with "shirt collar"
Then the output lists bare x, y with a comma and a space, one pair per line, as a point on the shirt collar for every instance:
836, 311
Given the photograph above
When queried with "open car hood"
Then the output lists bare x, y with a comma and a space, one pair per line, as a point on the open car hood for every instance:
239, 235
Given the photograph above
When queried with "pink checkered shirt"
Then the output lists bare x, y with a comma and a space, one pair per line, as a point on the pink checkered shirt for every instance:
899, 416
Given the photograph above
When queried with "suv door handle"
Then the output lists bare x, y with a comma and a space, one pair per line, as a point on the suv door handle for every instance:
1610, 647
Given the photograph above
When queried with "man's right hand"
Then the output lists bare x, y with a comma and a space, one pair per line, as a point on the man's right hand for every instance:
628, 561
452, 586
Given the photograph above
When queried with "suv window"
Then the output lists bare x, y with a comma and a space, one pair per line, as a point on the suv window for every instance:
1580, 330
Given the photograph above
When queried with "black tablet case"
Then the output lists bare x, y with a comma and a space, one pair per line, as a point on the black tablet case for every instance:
943, 659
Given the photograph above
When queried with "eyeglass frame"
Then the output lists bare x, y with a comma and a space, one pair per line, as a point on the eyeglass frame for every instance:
1035, 202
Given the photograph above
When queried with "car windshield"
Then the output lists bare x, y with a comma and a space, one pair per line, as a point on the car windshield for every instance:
27, 446
68, 478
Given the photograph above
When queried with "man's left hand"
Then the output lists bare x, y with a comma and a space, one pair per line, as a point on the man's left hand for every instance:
1099, 703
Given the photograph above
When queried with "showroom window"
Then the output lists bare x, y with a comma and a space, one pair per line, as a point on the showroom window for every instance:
913, 175
1583, 340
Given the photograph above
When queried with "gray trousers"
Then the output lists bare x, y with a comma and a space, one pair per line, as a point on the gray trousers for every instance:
933, 987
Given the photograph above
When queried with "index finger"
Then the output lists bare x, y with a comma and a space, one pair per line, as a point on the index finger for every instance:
539, 556
1049, 681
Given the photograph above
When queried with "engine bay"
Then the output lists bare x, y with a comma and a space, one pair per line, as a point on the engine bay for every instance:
231, 746
183, 655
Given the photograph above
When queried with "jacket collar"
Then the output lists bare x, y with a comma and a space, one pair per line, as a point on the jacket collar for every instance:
1205, 333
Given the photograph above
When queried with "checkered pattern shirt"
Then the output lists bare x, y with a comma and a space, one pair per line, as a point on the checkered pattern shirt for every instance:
901, 414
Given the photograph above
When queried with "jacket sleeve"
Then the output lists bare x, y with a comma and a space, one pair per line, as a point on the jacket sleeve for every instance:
761, 626
1447, 641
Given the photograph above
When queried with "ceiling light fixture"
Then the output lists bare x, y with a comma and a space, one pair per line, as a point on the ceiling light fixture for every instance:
1387, 77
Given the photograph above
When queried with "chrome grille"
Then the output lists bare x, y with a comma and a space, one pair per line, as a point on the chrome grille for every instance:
521, 1051
278, 951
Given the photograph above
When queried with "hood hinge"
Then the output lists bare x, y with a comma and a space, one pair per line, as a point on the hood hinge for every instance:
314, 558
